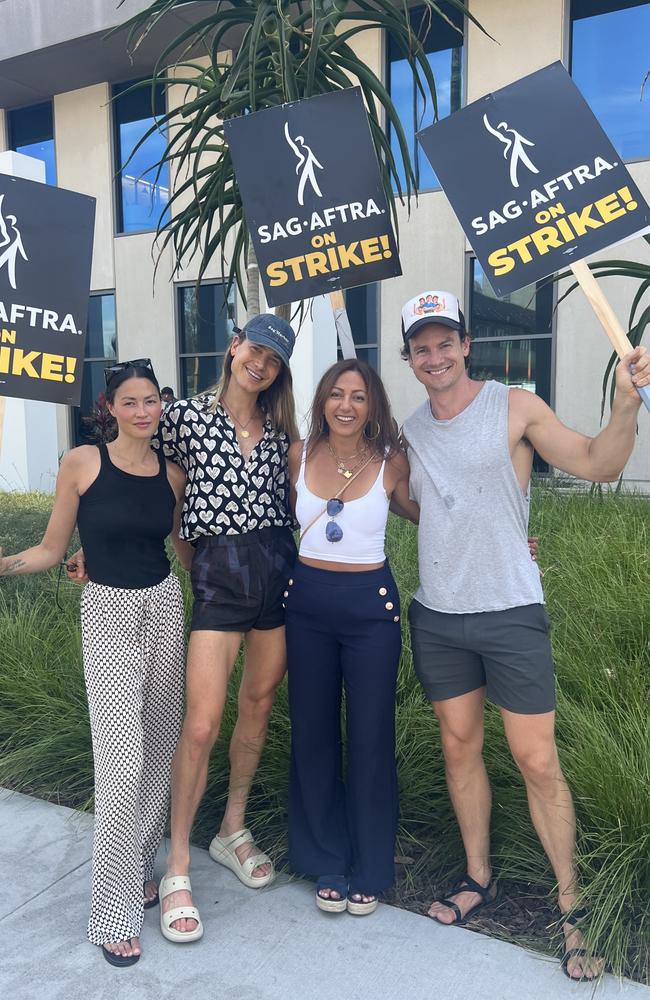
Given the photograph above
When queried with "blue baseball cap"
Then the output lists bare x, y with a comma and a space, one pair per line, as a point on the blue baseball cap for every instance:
271, 331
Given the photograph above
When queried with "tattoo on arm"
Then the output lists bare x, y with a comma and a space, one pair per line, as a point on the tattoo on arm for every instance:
15, 565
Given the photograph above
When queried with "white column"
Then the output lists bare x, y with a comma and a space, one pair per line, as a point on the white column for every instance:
313, 354
29, 457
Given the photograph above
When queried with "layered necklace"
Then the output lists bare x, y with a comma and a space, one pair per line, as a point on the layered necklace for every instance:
347, 467
242, 427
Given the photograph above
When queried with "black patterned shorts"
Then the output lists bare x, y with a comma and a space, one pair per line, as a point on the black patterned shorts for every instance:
238, 581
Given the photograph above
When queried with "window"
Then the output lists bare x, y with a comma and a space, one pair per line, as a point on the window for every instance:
101, 350
362, 306
444, 47
31, 131
609, 60
205, 327
512, 337
142, 191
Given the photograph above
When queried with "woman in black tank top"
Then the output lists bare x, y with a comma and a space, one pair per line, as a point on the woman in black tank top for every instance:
125, 500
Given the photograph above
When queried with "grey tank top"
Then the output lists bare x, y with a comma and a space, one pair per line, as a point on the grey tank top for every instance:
472, 538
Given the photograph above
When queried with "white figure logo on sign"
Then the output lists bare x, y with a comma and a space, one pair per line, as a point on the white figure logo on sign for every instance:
305, 166
514, 143
11, 244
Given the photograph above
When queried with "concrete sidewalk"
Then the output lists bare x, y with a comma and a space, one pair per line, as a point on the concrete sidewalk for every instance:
271, 944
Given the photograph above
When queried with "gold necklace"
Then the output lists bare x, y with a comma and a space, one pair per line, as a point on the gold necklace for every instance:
344, 467
244, 433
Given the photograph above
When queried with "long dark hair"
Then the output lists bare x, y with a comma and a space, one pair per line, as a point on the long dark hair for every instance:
133, 371
381, 430
277, 401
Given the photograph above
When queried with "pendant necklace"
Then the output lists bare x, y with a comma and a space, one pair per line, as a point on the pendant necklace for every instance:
242, 427
344, 467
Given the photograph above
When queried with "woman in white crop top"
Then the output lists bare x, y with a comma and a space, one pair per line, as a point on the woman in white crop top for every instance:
343, 631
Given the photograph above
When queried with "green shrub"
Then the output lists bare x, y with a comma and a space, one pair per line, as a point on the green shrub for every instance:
595, 554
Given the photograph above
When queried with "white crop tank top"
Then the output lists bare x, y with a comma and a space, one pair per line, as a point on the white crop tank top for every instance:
363, 522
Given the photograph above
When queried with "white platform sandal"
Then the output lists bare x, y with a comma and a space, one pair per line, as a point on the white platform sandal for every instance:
168, 885
222, 850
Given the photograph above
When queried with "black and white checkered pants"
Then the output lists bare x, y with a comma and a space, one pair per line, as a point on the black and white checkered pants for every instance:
134, 664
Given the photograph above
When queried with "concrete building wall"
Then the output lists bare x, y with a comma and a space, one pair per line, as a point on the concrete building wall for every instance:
88, 170
145, 313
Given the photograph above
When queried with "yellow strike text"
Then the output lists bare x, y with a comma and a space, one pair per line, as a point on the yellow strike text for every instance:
562, 230
36, 364
328, 260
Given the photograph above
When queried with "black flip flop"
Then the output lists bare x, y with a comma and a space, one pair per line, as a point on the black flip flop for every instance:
150, 903
466, 884
574, 918
119, 961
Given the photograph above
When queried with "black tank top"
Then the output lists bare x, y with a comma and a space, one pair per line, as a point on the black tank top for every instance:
123, 521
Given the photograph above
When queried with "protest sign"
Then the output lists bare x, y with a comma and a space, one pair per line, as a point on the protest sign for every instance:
537, 186
534, 180
46, 241
313, 197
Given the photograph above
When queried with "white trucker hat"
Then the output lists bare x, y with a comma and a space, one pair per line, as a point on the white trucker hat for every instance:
431, 307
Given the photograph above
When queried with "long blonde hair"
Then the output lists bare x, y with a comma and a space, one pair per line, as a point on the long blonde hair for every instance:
277, 401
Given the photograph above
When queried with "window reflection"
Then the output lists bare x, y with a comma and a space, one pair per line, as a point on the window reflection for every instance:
362, 307
31, 132
204, 332
609, 60
444, 48
142, 186
101, 350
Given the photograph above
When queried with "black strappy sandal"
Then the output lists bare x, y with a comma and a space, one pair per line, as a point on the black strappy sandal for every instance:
466, 884
574, 917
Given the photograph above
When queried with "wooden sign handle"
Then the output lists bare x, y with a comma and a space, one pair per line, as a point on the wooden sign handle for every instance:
343, 329
608, 318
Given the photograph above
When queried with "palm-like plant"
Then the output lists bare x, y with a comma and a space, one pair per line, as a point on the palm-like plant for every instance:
639, 317
282, 51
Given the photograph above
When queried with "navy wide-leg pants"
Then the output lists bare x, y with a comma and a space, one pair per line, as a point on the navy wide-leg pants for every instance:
343, 631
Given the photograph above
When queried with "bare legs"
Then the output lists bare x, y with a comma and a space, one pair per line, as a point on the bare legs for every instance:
532, 742
461, 732
211, 657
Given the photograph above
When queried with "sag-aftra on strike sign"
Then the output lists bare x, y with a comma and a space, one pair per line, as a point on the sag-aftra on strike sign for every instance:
313, 197
534, 180
46, 244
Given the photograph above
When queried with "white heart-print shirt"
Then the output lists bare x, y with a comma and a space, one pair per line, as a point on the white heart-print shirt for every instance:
224, 494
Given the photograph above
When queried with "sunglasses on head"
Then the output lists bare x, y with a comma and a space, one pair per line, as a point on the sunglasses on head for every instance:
121, 366
334, 531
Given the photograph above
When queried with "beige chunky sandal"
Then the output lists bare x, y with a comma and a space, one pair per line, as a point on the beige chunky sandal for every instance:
222, 850
168, 885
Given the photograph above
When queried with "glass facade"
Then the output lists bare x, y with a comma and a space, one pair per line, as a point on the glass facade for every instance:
362, 306
444, 47
609, 60
142, 188
512, 337
31, 131
101, 350
205, 326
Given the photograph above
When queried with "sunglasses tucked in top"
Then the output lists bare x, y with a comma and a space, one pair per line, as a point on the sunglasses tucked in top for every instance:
334, 531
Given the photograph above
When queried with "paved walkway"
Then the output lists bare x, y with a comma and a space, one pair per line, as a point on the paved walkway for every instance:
271, 944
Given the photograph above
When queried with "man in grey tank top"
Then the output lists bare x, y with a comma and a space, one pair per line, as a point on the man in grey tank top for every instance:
478, 623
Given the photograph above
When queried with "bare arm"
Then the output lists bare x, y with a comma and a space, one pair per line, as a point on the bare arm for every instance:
400, 501
294, 458
598, 459
60, 527
184, 551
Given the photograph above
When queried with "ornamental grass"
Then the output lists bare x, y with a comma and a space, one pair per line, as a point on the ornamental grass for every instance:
595, 553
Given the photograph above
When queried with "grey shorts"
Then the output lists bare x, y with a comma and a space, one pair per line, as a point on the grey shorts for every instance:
507, 652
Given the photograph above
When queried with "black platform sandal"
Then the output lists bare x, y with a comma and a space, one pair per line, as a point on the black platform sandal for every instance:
467, 884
